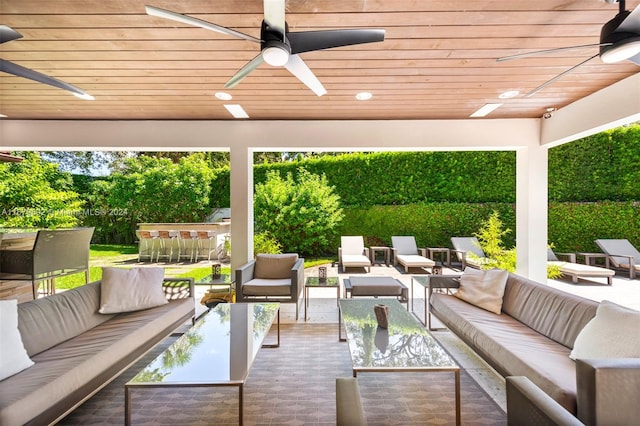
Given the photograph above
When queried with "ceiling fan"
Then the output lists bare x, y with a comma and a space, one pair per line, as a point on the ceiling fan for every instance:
9, 34
619, 40
278, 46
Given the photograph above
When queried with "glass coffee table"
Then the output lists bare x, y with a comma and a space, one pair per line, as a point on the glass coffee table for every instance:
218, 350
405, 346
315, 282
224, 280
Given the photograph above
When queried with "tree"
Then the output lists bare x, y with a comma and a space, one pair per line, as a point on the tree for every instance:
303, 214
154, 190
36, 194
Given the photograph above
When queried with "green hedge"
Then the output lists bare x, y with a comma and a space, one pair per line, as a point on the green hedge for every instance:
572, 226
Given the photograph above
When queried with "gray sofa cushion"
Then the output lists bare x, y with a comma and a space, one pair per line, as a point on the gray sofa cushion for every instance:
46, 322
554, 313
78, 366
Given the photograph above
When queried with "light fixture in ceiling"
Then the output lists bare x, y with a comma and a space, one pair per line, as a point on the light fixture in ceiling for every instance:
621, 50
364, 96
3, 116
485, 110
236, 110
508, 94
223, 96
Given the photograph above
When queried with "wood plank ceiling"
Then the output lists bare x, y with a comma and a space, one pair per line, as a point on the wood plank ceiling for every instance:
438, 60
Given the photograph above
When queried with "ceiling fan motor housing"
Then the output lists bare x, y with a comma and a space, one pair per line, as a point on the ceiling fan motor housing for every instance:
609, 37
274, 46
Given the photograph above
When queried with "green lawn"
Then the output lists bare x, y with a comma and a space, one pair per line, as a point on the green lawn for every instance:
120, 255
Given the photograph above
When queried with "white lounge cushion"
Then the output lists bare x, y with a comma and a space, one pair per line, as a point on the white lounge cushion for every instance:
13, 356
581, 269
483, 289
355, 260
613, 333
127, 290
414, 260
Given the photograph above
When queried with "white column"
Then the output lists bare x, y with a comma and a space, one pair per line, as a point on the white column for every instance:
531, 212
241, 180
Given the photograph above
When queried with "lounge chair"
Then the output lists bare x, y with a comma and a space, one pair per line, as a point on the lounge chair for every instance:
621, 254
353, 254
463, 246
405, 252
575, 270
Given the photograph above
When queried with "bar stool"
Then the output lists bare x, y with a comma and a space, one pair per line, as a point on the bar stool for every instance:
188, 242
168, 239
149, 243
206, 237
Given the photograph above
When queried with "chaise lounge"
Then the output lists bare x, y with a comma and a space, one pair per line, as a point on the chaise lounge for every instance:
576, 270
622, 254
405, 252
469, 252
353, 254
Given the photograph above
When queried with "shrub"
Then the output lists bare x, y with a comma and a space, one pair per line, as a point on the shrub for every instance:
302, 213
263, 242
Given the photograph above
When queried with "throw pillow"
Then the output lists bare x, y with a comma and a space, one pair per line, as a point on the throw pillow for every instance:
612, 333
126, 290
13, 355
483, 289
274, 266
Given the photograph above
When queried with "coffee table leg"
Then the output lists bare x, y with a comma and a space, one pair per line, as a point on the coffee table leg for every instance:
306, 302
127, 406
240, 403
457, 373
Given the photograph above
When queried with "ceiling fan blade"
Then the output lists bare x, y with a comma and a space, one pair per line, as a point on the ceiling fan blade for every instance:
274, 15
544, 52
167, 14
298, 68
20, 71
244, 71
8, 34
307, 41
557, 77
631, 23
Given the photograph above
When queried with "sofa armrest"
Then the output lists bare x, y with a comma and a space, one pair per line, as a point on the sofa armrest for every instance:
527, 404
178, 288
608, 390
297, 278
570, 257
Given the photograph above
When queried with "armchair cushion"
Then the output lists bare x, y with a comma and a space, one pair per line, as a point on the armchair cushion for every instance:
275, 266
267, 287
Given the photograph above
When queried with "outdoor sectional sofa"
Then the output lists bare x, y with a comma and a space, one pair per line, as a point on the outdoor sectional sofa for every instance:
533, 337
76, 350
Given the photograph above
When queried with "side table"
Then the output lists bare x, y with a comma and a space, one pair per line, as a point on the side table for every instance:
589, 258
444, 252
386, 251
443, 282
225, 280
314, 282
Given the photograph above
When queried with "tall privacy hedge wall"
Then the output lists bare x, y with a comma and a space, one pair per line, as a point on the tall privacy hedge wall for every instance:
605, 166
594, 191
572, 226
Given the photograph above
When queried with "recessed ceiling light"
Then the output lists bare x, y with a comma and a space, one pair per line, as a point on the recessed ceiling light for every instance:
364, 96
236, 110
223, 96
509, 94
486, 109
3, 116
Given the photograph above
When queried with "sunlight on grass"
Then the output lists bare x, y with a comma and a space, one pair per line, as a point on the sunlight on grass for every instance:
117, 252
